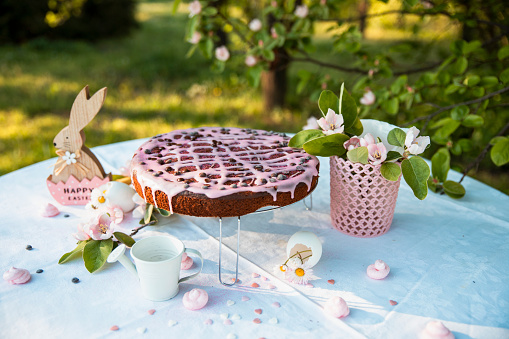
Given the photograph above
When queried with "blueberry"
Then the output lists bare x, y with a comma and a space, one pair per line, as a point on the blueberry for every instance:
29, 247
75, 280
39, 271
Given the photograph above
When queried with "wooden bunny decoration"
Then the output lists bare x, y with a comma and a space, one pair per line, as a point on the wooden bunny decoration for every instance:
75, 159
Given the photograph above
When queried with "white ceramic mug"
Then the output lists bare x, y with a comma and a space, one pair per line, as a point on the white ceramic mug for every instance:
157, 261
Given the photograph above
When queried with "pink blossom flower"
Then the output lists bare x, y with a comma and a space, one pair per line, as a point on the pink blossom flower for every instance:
409, 89
222, 53
414, 144
377, 153
352, 143
260, 43
301, 11
81, 235
311, 124
370, 73
100, 227
251, 61
273, 3
115, 213
324, 85
332, 123
273, 33
195, 38
194, 8
368, 140
323, 2
368, 98
255, 25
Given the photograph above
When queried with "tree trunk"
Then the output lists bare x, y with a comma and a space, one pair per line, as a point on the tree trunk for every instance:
363, 8
274, 81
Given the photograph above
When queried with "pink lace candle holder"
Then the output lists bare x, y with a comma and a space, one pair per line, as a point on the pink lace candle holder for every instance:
362, 200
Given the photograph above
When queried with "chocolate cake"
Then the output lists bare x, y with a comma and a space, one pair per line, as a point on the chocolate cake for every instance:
221, 172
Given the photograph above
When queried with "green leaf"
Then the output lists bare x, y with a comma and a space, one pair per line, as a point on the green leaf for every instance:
328, 100
432, 186
356, 128
489, 81
327, 146
503, 52
472, 80
454, 189
504, 76
411, 3
494, 140
302, 137
399, 84
206, 47
95, 253
209, 11
124, 239
466, 145
390, 171
473, 121
391, 106
359, 154
416, 172
440, 165
148, 213
69, 255
175, 6
268, 54
163, 212
393, 155
448, 127
254, 75
348, 110
304, 77
459, 112
460, 65
396, 137
471, 46
500, 152
451, 89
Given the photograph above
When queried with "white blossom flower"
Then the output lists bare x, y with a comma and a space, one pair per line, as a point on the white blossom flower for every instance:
301, 11
69, 158
368, 98
194, 8
332, 123
301, 275
377, 153
222, 53
255, 25
414, 144
195, 38
251, 61
311, 124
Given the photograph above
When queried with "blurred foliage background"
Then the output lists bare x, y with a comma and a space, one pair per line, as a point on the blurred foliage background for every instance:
138, 50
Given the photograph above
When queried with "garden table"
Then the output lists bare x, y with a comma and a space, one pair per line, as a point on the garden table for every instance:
449, 261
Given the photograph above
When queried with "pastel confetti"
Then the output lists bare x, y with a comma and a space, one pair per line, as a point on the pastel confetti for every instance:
230, 303
258, 311
265, 278
257, 321
208, 322
255, 275
236, 317
227, 322
114, 328
151, 311
224, 315
231, 336
255, 285
271, 287
273, 321
172, 323
309, 285
276, 304
141, 330
393, 303
238, 280
331, 281
245, 298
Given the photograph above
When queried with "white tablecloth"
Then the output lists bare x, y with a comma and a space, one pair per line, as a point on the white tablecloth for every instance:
449, 261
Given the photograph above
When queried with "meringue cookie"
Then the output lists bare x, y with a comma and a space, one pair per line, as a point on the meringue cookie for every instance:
195, 299
336, 307
436, 330
50, 211
187, 262
378, 270
16, 276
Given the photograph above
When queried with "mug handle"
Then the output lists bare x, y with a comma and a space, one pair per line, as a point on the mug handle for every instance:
190, 250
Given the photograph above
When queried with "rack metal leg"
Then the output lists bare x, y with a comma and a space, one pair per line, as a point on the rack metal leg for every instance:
220, 247
310, 207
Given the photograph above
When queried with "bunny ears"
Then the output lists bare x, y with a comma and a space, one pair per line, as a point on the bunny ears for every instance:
85, 108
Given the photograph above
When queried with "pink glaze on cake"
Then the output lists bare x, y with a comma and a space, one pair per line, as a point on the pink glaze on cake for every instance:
50, 211
218, 162
17, 276
336, 307
378, 270
187, 262
436, 330
195, 299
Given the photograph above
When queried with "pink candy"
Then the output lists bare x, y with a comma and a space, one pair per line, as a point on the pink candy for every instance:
195, 299
336, 307
436, 330
187, 262
378, 270
50, 211
16, 276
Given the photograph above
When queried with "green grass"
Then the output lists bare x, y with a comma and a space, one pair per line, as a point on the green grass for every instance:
152, 87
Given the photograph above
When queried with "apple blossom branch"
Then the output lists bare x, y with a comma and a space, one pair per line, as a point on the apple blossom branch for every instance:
137, 229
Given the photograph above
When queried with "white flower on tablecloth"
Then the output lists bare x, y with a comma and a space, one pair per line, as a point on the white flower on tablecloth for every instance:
301, 11
195, 38
139, 211
81, 235
294, 263
280, 270
301, 275
311, 124
194, 8
251, 61
332, 123
222, 53
97, 198
101, 227
69, 158
255, 25
414, 144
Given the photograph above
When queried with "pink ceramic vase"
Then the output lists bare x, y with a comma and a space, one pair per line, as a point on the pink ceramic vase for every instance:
362, 200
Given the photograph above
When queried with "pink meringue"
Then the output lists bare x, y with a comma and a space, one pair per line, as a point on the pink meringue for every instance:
187, 262
336, 307
16, 276
50, 211
436, 330
378, 270
195, 299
